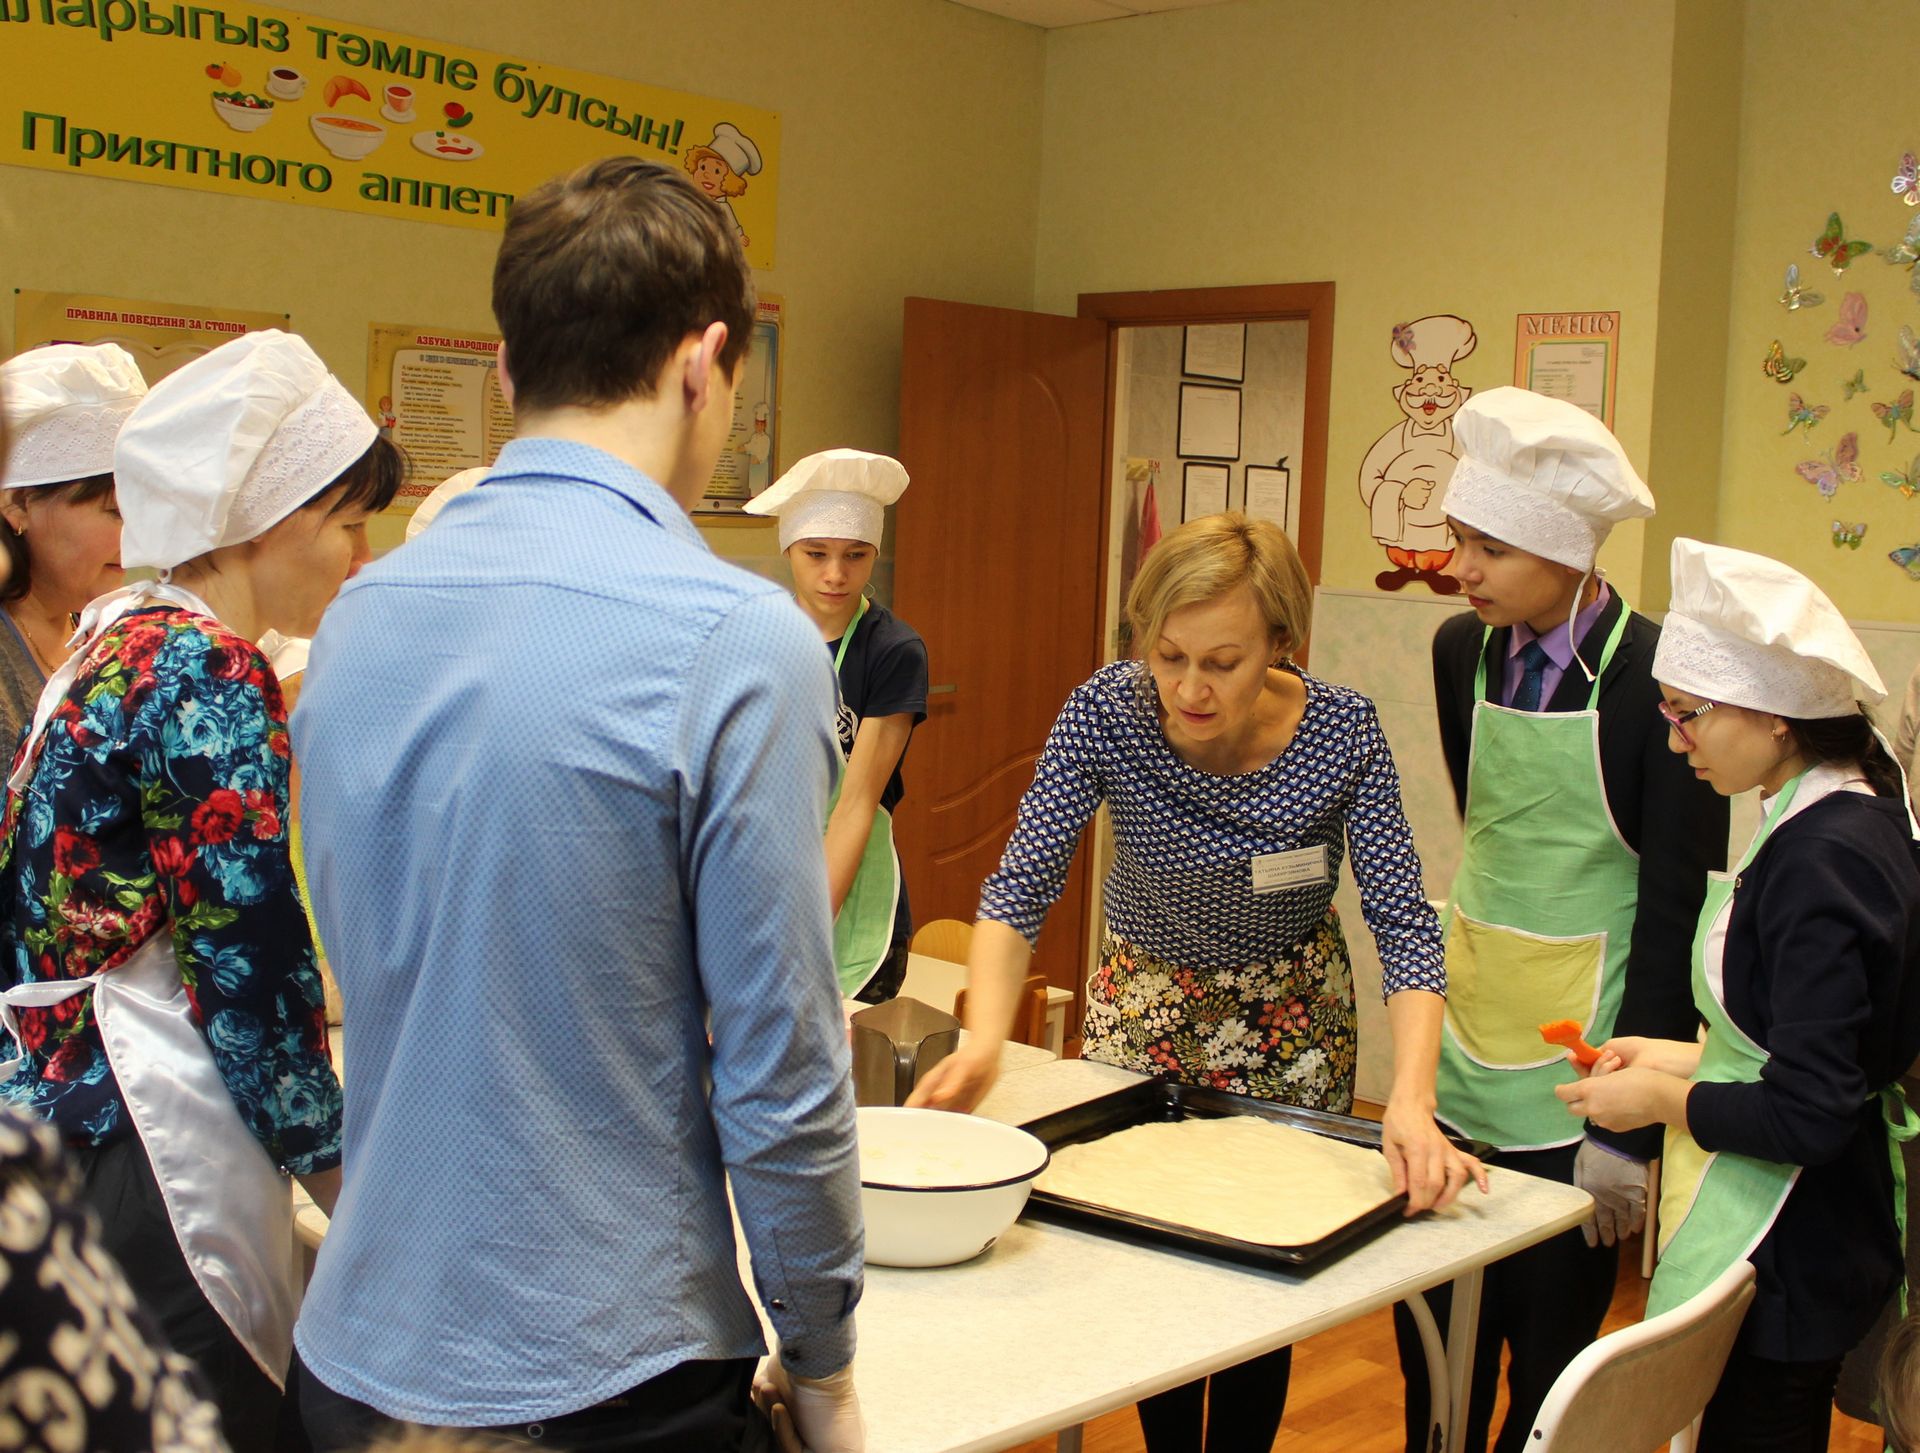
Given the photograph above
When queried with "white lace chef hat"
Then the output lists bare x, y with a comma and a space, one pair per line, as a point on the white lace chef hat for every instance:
837, 494
226, 447
1751, 632
1541, 474
429, 508
65, 404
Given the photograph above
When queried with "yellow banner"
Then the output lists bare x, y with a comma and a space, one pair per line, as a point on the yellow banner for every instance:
160, 336
259, 102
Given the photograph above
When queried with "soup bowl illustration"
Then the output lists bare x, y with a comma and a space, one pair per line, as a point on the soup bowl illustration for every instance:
348, 137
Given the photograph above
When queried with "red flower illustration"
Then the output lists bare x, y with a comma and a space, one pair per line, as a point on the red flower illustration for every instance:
68, 1061
218, 818
171, 857
73, 853
264, 811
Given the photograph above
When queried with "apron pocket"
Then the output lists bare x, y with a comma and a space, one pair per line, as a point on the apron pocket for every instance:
1504, 983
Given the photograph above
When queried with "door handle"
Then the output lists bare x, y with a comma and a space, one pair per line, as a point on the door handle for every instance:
941, 690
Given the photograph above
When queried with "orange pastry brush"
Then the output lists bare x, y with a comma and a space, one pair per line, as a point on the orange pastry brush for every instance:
1566, 1032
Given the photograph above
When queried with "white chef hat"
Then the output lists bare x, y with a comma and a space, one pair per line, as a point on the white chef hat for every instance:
1751, 632
736, 149
65, 404
837, 494
1440, 339
229, 445
430, 507
1541, 474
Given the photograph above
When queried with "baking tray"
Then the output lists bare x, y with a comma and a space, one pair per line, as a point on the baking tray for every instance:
1165, 1100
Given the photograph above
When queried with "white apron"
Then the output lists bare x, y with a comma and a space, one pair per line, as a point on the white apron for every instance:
231, 1208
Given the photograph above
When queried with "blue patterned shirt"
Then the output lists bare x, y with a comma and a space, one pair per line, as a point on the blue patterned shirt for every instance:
565, 780
1182, 883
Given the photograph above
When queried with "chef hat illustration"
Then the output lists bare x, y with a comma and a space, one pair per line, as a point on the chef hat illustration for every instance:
759, 413
736, 149
837, 494
1749, 631
1438, 339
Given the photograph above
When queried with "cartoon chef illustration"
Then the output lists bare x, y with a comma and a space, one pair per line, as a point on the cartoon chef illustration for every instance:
758, 447
721, 168
1404, 476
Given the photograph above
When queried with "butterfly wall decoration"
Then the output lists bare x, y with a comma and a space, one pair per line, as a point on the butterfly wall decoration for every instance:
1907, 557
1782, 369
1905, 252
1835, 248
1802, 415
1851, 326
1906, 181
1797, 297
1839, 465
1855, 385
1848, 535
1907, 353
1893, 415
1907, 480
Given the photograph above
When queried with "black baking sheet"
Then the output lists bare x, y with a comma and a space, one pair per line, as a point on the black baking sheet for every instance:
1159, 1100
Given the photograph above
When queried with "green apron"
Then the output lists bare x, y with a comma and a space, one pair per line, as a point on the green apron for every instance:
1716, 1207
863, 929
1540, 921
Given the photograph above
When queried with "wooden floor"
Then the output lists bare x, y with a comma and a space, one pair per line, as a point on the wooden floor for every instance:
1346, 1391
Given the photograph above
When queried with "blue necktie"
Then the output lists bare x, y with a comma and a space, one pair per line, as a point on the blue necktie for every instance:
1534, 661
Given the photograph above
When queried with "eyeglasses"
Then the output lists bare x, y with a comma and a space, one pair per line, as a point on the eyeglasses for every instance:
1678, 719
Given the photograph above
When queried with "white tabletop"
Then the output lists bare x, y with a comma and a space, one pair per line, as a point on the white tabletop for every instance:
1054, 1326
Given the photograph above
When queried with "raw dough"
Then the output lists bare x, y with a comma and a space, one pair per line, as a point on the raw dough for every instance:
1234, 1176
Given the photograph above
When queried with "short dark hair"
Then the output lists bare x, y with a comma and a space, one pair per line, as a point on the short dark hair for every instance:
369, 483
603, 272
19, 579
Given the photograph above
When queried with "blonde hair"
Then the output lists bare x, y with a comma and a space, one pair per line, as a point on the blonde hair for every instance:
1207, 558
1900, 1385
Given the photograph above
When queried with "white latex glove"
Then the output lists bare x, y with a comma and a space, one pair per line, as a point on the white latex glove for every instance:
825, 1413
1618, 1184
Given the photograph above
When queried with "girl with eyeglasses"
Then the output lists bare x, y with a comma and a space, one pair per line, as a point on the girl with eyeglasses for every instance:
1784, 1116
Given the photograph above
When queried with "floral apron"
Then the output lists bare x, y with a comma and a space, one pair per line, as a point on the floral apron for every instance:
1280, 1030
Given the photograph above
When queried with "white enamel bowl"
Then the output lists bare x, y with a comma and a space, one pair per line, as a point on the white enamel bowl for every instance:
937, 1188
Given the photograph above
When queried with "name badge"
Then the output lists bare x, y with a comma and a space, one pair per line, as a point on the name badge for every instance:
1301, 868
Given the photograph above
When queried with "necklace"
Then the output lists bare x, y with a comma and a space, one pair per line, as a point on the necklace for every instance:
48, 664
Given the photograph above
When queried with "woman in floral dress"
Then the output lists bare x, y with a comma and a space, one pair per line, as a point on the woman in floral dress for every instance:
159, 981
1235, 783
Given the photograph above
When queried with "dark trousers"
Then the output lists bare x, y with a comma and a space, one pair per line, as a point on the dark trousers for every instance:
703, 1405
118, 1183
1543, 1304
1241, 1407
887, 979
1770, 1407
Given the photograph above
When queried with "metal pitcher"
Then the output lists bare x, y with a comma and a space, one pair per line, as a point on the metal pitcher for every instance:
894, 1044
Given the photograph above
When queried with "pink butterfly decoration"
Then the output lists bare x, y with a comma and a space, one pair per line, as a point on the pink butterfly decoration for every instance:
1840, 466
1852, 326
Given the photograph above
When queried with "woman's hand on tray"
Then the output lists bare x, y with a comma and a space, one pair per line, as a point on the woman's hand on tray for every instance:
1431, 1169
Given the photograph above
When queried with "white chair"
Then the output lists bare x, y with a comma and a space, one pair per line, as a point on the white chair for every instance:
1634, 1389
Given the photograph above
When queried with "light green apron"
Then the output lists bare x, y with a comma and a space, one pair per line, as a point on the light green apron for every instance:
1715, 1208
1540, 920
863, 929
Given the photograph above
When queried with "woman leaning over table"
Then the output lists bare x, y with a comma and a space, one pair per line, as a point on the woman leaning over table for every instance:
1785, 1115
158, 976
59, 527
1235, 781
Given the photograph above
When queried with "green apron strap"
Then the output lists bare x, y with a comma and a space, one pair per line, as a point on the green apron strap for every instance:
846, 636
1902, 1125
1606, 656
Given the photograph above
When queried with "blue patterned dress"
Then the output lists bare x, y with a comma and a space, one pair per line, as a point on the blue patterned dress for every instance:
1201, 977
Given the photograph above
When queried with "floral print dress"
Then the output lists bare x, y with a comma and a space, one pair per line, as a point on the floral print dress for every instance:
1204, 978
158, 804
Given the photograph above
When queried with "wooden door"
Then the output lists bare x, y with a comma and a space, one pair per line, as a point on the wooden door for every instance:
997, 551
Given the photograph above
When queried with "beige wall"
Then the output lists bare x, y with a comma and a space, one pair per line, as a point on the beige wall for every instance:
909, 135
1495, 160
